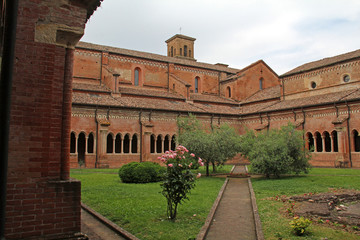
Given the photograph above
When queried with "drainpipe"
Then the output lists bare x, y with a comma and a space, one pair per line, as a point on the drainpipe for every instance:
337, 110
212, 118
348, 132
268, 118
7, 65
294, 114
168, 76
101, 64
141, 136
96, 137
283, 86
303, 124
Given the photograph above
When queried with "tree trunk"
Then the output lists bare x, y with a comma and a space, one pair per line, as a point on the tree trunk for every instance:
214, 167
207, 169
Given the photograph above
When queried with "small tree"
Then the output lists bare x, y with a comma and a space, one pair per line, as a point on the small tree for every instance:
179, 179
276, 152
214, 146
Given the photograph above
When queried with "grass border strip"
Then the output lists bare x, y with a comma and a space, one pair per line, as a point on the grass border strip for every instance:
122, 232
258, 227
205, 228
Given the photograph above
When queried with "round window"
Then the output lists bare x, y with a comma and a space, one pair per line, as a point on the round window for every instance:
346, 78
313, 84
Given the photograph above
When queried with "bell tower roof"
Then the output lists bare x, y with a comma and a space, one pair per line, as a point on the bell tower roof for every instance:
181, 46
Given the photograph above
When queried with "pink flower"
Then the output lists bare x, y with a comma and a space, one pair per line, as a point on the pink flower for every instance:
170, 165
191, 154
198, 175
190, 165
180, 165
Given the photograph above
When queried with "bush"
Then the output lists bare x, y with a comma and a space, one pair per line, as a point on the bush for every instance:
276, 152
143, 172
299, 225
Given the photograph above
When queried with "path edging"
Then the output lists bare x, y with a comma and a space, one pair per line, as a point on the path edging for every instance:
205, 228
122, 232
258, 227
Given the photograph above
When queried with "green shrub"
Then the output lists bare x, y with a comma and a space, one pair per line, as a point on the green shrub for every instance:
276, 152
143, 172
299, 225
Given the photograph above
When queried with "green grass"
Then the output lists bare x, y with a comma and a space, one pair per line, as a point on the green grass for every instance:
202, 170
141, 208
319, 180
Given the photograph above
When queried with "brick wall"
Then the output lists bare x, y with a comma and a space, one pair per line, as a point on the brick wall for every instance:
39, 203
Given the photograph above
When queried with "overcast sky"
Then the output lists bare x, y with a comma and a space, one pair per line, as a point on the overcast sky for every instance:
284, 33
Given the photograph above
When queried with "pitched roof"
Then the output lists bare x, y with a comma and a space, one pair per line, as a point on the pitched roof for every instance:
324, 62
138, 91
156, 57
316, 100
265, 94
198, 97
90, 87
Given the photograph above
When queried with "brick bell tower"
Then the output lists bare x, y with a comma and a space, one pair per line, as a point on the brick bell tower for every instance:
181, 46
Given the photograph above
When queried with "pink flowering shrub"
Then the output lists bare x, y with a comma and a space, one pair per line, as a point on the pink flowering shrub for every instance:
179, 179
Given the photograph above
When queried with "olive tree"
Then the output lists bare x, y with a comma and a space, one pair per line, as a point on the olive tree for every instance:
276, 152
214, 144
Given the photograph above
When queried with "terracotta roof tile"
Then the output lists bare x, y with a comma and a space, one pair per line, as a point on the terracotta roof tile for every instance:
198, 97
254, 108
217, 109
156, 57
94, 99
138, 91
265, 94
324, 62
315, 100
90, 87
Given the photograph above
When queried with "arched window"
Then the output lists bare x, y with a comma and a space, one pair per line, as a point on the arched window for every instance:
190, 53
167, 143
72, 142
326, 135
136, 76
228, 92
310, 142
356, 141
197, 84
172, 51
335, 141
109, 143
90, 143
118, 143
261, 83
173, 143
81, 148
318, 139
127, 143
180, 51
185, 51
134, 143
152, 143
159, 144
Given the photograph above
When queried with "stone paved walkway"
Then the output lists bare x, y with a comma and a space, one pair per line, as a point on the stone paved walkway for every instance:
95, 229
234, 217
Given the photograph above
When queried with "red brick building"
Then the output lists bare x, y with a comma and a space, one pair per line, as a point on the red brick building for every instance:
125, 103
42, 202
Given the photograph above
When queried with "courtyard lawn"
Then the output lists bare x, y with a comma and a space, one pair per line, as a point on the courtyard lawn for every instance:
275, 225
141, 208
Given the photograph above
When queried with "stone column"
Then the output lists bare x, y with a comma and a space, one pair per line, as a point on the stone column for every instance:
86, 144
130, 145
315, 143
